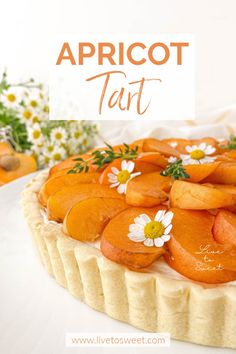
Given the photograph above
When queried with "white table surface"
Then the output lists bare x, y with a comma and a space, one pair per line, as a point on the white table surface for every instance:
35, 312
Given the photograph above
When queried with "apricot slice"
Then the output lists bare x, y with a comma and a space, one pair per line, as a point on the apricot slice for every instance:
6, 148
116, 246
69, 163
60, 202
53, 185
148, 190
225, 173
86, 219
224, 229
199, 172
27, 164
193, 251
161, 147
140, 166
187, 195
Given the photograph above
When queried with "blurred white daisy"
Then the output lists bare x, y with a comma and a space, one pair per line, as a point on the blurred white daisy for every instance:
58, 154
11, 98
35, 134
58, 135
152, 232
26, 115
120, 178
198, 154
44, 160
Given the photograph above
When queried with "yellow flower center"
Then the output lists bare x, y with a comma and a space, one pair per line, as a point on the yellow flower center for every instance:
57, 157
50, 148
34, 103
77, 135
197, 154
27, 114
58, 135
36, 134
154, 229
123, 176
35, 119
11, 97
45, 109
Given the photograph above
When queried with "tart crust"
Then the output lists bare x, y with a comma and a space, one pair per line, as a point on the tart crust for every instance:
149, 301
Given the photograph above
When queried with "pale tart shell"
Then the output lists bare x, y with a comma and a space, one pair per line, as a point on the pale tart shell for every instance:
149, 301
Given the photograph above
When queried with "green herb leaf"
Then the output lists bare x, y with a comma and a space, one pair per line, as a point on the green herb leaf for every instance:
99, 158
175, 170
231, 144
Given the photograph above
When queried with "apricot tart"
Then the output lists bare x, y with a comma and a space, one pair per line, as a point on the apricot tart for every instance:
146, 233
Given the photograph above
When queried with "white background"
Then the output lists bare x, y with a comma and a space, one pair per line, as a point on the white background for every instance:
27, 25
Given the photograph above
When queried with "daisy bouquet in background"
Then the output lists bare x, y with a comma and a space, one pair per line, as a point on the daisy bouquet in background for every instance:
25, 124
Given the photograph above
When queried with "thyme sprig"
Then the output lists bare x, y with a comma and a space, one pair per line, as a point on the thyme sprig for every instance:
231, 144
99, 158
175, 170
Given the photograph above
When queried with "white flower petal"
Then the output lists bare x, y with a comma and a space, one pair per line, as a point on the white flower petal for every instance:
124, 165
149, 242
167, 218
130, 166
136, 228
165, 238
136, 238
159, 215
172, 159
142, 219
121, 189
202, 146
168, 229
114, 185
134, 175
115, 170
173, 144
209, 150
189, 148
158, 242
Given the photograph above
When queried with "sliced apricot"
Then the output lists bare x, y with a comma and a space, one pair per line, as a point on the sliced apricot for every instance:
199, 172
194, 253
148, 190
86, 219
6, 148
60, 202
224, 229
69, 163
53, 185
155, 145
225, 173
27, 164
187, 195
116, 245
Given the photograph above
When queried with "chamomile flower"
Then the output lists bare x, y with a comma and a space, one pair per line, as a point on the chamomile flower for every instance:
152, 232
199, 154
10, 98
58, 154
36, 135
26, 115
121, 178
44, 160
58, 135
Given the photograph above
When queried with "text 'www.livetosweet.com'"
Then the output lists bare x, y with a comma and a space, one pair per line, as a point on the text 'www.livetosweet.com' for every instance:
117, 340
